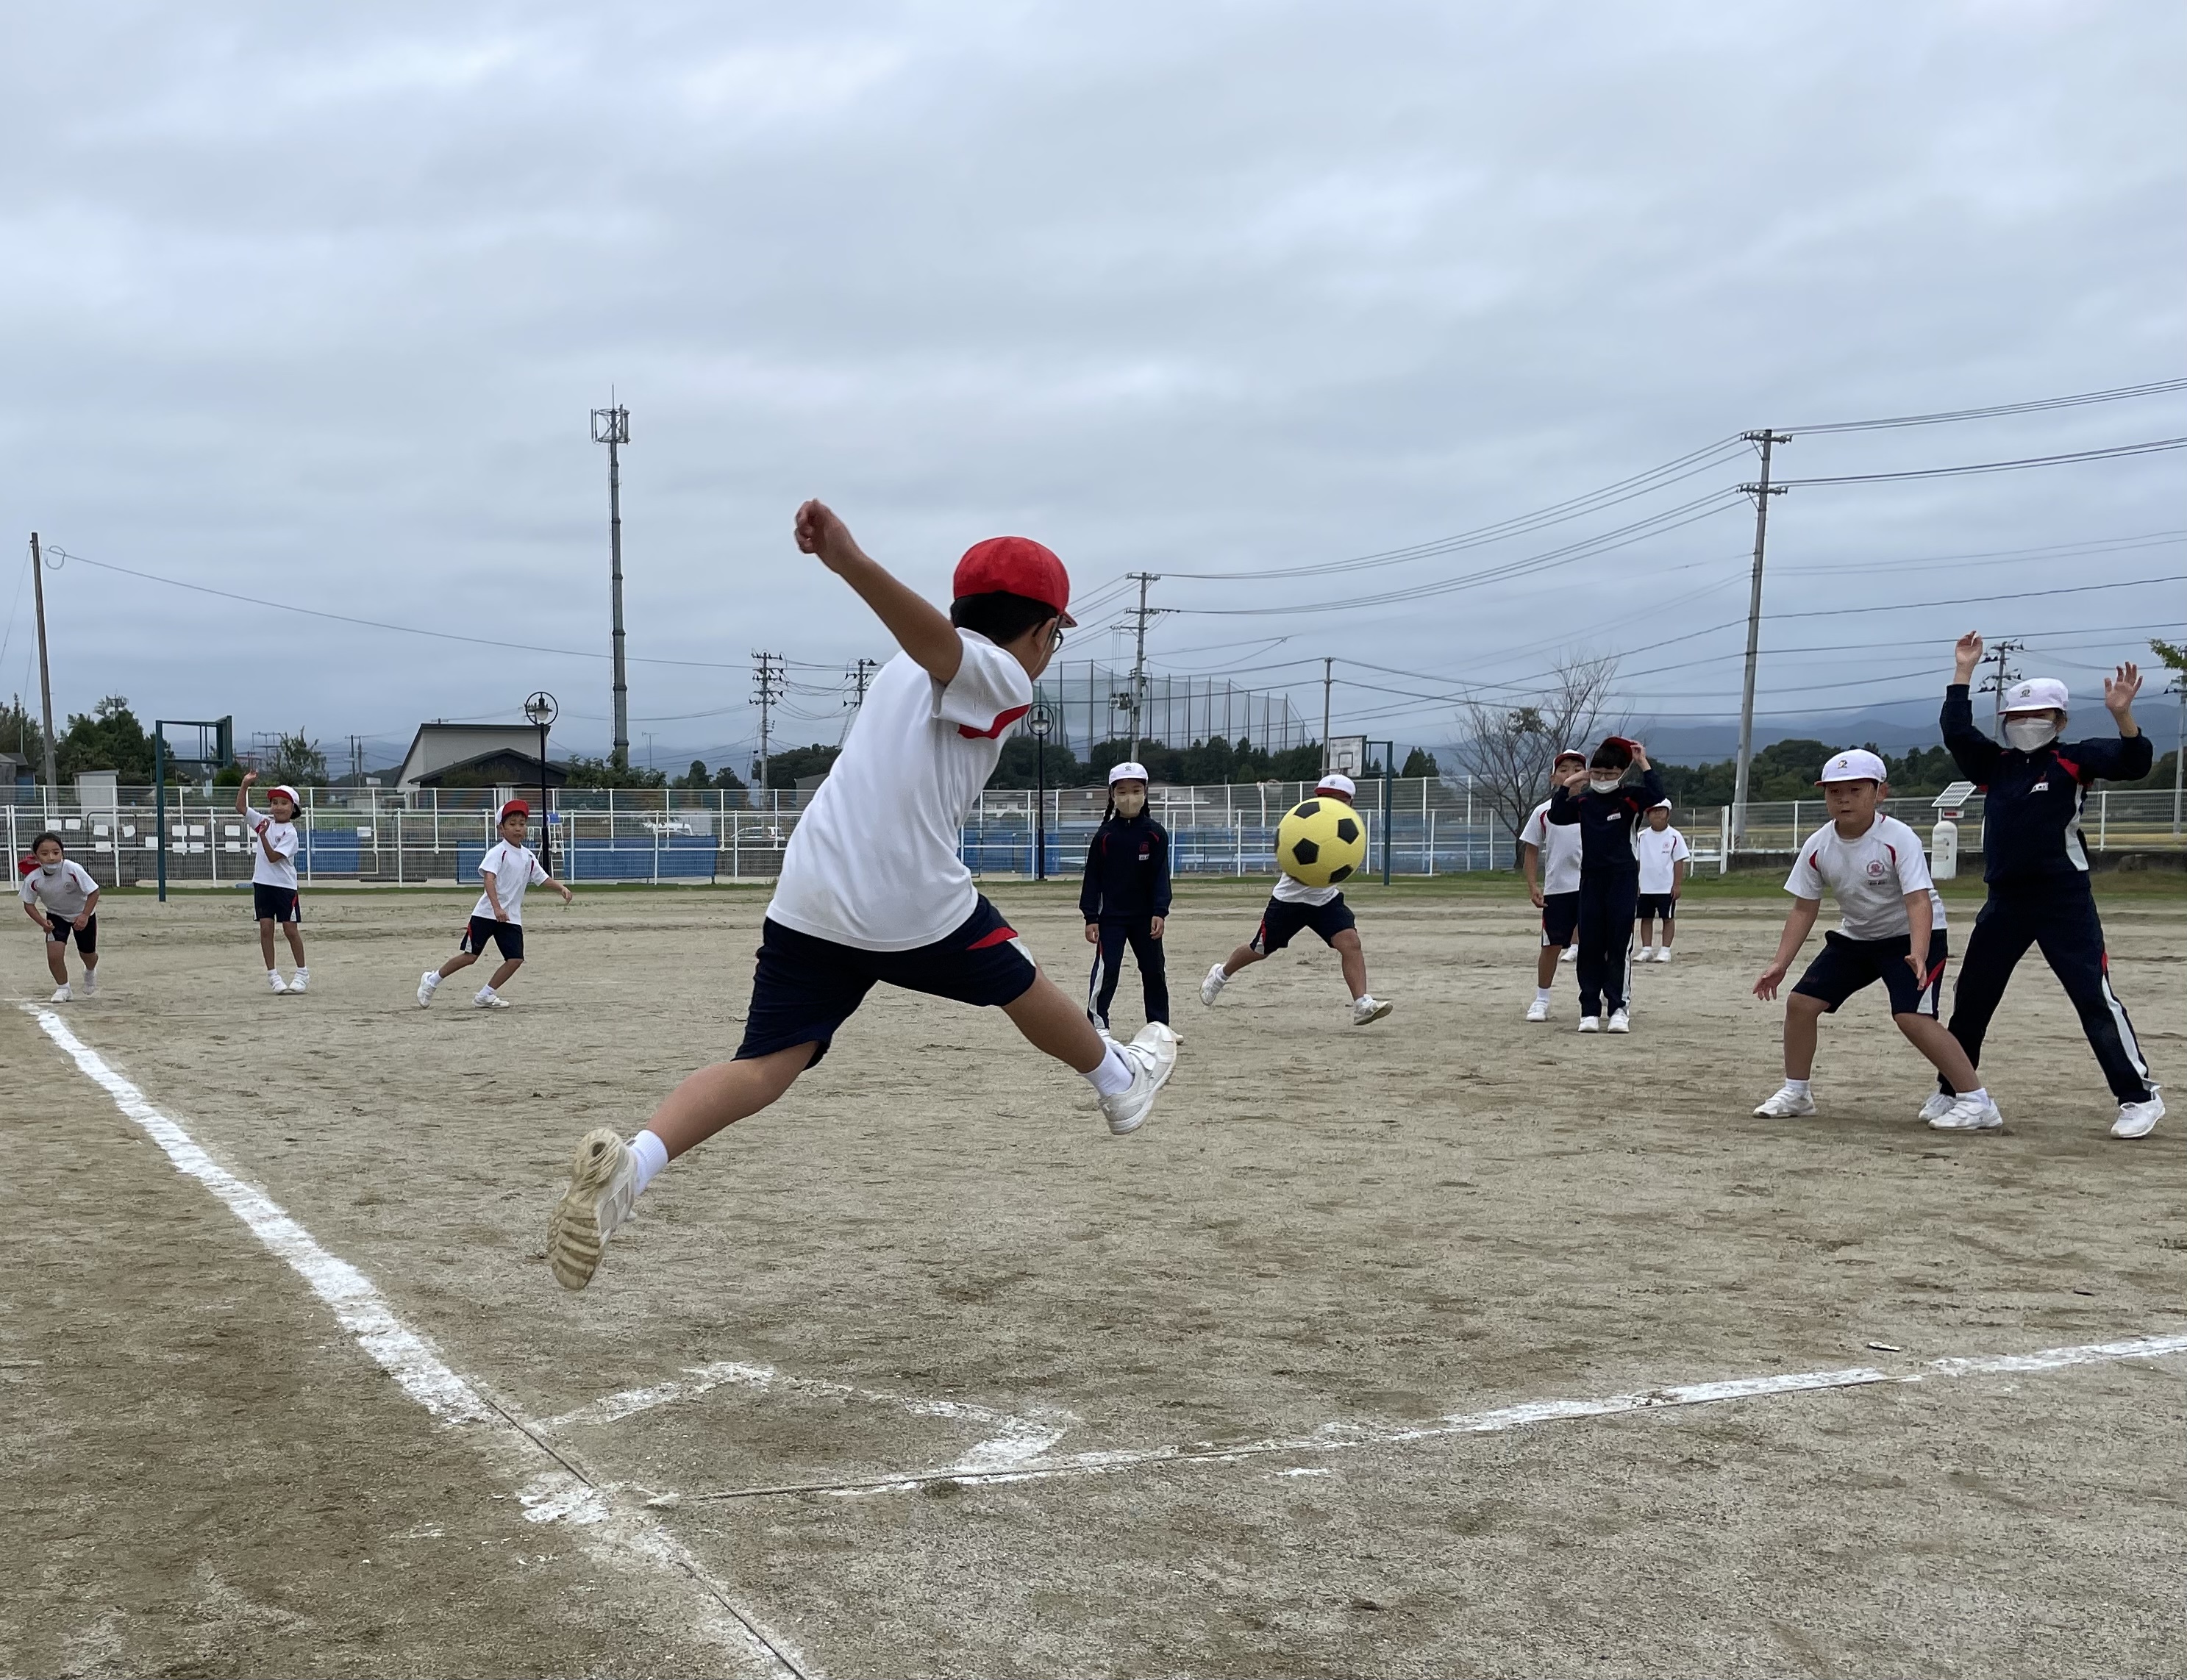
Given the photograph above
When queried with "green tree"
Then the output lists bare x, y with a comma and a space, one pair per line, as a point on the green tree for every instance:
783, 769
110, 739
695, 777
20, 734
607, 772
1017, 767
1419, 762
296, 760
728, 781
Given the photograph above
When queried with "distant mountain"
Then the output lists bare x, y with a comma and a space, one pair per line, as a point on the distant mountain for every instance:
1690, 740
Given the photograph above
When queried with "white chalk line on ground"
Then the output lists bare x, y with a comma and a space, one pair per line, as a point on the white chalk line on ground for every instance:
557, 1490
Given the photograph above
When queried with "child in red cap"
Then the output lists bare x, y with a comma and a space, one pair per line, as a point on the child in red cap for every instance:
274, 843
508, 868
873, 888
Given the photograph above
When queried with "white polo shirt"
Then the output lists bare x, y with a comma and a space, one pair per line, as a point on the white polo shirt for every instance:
1870, 878
515, 868
1559, 845
874, 862
1658, 852
282, 837
65, 892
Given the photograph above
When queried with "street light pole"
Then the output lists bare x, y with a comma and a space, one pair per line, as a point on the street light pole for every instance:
540, 709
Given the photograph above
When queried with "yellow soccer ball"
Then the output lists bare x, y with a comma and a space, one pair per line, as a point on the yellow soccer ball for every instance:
1321, 842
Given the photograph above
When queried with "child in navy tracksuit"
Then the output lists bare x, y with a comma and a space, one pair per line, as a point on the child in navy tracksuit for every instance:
1607, 811
1125, 896
2036, 868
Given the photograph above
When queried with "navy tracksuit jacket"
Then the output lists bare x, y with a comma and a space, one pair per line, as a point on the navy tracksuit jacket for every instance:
2036, 868
1126, 887
1609, 885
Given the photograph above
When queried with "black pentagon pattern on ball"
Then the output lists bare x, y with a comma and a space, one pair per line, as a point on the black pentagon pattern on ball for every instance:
1347, 829
1339, 872
1303, 853
1308, 808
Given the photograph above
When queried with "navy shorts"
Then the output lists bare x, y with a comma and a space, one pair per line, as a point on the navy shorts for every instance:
1559, 918
507, 936
1664, 906
1844, 966
1281, 921
59, 931
805, 987
276, 903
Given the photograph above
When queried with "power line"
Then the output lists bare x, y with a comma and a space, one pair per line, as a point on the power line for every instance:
2117, 394
2153, 446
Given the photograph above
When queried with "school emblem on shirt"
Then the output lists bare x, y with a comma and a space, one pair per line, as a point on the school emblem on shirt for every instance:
1877, 869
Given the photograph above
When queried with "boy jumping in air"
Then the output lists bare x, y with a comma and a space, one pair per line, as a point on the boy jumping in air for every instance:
1293, 907
1664, 855
61, 897
273, 891
1892, 931
873, 888
508, 868
1125, 896
1597, 801
1554, 848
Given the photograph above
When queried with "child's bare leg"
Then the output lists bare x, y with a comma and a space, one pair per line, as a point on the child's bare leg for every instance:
1647, 931
1949, 1056
90, 961
1545, 965
1354, 960
501, 975
1801, 1012
461, 960
717, 1096
1244, 957
1052, 1023
295, 944
1670, 930
266, 939
57, 961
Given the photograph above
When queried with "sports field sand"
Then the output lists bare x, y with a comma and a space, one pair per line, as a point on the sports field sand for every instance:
931, 1261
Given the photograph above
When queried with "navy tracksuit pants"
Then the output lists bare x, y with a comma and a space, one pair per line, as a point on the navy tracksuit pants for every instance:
2059, 914
1108, 966
1609, 899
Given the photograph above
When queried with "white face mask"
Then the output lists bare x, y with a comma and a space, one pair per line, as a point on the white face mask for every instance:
2029, 733
49, 868
1610, 786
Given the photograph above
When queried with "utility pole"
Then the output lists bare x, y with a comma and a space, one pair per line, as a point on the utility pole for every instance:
1140, 614
611, 426
2179, 750
1325, 664
862, 678
45, 668
1760, 491
766, 680
1998, 684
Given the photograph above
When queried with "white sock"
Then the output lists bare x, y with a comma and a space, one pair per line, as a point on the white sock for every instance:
1113, 1075
651, 1155
1979, 1094
432, 980
485, 992
275, 973
1541, 994
1798, 1088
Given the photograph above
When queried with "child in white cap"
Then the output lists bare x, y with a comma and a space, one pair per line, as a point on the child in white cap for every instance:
274, 897
2036, 869
509, 870
1125, 896
1892, 930
1663, 854
1293, 907
1548, 852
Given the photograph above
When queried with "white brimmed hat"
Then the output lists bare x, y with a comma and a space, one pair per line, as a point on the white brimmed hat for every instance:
2037, 694
1662, 805
1569, 752
283, 790
1335, 783
1855, 764
1126, 772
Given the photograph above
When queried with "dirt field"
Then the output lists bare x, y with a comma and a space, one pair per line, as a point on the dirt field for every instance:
923, 1373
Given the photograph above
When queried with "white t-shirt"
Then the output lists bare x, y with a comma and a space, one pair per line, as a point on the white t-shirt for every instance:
514, 869
1658, 852
1559, 845
1297, 892
63, 893
874, 862
282, 837
1870, 876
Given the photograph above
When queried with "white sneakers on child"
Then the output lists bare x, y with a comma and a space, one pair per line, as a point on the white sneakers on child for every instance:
274, 982
1591, 1023
1369, 1008
1538, 1010
91, 982
1936, 1107
1620, 1021
489, 999
1663, 954
1153, 1057
1968, 1114
2139, 1120
61, 994
1572, 954
427, 984
1212, 987
603, 1190
300, 981
1786, 1104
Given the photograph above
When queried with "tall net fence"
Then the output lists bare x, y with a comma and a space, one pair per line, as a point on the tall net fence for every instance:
1426, 826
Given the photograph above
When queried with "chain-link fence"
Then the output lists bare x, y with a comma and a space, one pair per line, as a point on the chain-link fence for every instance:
1427, 826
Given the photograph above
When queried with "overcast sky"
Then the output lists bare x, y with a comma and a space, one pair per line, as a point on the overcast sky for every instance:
310, 305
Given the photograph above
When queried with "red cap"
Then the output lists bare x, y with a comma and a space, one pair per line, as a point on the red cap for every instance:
1014, 565
515, 807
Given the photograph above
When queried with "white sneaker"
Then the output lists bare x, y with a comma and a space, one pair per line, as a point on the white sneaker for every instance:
1366, 1009
1937, 1106
1664, 955
1620, 1021
1153, 1057
1538, 1010
1967, 1114
274, 982
1786, 1104
490, 1000
1212, 987
427, 984
91, 982
301, 981
61, 994
1590, 1024
1572, 954
603, 1188
2139, 1120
